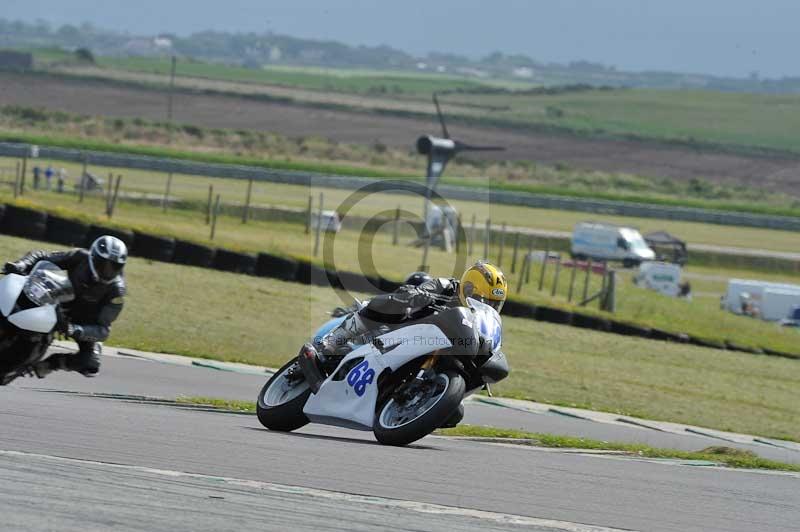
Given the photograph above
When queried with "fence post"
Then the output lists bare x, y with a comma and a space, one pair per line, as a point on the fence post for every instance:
16, 181
555, 277
527, 271
84, 176
113, 203
544, 265
214, 218
586, 280
572, 280
514, 255
309, 213
22, 180
319, 223
610, 296
471, 235
165, 201
208, 205
246, 213
525, 263
502, 245
396, 227
109, 191
486, 238
603, 287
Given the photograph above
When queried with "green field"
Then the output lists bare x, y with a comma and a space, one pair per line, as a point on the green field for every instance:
195, 188
700, 317
199, 312
39, 126
737, 121
340, 80
732, 119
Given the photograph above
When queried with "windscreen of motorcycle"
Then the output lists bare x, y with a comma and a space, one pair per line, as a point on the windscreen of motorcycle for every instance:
48, 284
488, 322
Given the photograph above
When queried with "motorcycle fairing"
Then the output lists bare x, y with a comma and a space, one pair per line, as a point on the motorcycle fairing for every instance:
10, 288
38, 319
351, 402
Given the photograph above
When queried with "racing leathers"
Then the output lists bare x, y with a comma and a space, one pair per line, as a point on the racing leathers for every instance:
88, 318
404, 304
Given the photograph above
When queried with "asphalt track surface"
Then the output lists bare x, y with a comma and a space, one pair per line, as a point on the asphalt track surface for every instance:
75, 457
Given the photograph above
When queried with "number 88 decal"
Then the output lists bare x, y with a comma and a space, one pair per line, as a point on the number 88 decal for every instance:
358, 380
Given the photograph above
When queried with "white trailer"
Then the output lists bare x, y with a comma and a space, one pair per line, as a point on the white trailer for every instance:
777, 304
755, 290
663, 277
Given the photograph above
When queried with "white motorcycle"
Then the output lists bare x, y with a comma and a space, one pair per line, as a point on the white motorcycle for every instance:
29, 309
402, 386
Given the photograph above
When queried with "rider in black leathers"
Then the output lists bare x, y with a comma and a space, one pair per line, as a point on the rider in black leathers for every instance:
418, 298
409, 302
99, 284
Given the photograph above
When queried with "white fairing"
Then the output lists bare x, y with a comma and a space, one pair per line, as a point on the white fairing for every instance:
10, 288
351, 401
488, 322
38, 319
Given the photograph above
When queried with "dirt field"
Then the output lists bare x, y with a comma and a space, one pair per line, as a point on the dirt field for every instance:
90, 97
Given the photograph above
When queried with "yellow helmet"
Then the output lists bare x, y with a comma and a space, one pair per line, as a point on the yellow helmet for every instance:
485, 283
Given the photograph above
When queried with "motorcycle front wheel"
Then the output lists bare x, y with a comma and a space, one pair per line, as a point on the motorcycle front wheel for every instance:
401, 423
281, 400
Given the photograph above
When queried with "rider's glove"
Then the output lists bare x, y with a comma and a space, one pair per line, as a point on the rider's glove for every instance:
13, 267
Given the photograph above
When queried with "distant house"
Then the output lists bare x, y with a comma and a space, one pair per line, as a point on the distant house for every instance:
13, 60
523, 72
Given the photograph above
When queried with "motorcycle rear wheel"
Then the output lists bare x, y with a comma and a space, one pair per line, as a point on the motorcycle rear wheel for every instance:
280, 405
397, 424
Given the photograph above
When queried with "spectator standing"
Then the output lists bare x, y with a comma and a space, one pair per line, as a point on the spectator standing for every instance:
62, 176
48, 177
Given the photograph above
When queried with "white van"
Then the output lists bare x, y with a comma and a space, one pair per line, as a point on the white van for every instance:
610, 242
663, 277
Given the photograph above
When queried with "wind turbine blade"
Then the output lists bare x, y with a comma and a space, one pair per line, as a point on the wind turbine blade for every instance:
441, 116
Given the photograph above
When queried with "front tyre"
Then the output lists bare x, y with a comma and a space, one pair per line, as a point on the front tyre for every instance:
281, 400
402, 422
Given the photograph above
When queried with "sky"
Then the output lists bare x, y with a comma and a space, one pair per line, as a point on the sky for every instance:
723, 37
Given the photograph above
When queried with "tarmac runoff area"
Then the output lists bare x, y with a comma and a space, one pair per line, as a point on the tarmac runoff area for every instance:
97, 454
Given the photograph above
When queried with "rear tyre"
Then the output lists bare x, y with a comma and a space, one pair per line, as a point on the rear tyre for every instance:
401, 424
281, 401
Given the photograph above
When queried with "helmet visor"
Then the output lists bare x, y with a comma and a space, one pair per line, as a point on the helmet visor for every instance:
106, 269
495, 304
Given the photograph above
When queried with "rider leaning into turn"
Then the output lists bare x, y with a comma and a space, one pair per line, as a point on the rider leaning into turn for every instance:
97, 278
419, 297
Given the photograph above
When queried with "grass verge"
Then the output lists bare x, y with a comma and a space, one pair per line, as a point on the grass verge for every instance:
727, 456
222, 404
223, 316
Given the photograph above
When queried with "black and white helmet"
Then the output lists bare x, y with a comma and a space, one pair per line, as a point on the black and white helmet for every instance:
107, 257
417, 278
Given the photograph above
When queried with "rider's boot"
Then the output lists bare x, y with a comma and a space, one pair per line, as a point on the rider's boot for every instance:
336, 343
87, 360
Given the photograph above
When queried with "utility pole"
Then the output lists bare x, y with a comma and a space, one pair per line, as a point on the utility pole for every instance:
170, 96
171, 92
